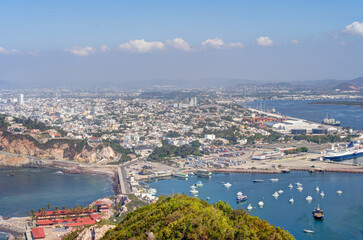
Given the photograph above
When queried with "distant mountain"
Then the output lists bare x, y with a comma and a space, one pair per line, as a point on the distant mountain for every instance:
343, 85
5, 84
358, 82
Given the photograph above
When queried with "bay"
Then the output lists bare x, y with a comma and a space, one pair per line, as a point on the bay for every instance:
35, 188
349, 116
343, 214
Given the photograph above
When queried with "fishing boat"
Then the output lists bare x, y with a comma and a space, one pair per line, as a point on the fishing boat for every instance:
203, 173
309, 198
280, 192
298, 184
258, 181
291, 200
317, 189
241, 197
290, 186
318, 213
260, 204
180, 175
339, 192
227, 185
299, 189
322, 194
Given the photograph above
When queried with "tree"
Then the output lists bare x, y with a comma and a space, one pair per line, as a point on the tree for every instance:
32, 214
49, 206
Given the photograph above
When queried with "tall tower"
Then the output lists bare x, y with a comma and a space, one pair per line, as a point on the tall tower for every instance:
21, 99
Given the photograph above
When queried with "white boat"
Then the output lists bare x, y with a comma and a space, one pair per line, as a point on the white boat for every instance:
275, 195
322, 194
308, 231
274, 179
298, 184
291, 200
280, 192
193, 191
208, 198
193, 187
309, 198
299, 189
339, 192
290, 186
317, 189
199, 184
227, 185
249, 207
260, 204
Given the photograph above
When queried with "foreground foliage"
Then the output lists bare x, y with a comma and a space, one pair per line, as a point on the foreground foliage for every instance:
183, 217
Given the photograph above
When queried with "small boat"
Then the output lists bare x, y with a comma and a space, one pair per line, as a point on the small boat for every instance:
203, 173
59, 173
258, 181
199, 184
260, 204
291, 200
280, 192
299, 189
227, 185
290, 186
241, 197
193, 187
339, 192
322, 194
249, 207
275, 195
318, 213
309, 198
298, 184
11, 174
181, 175
317, 189
193, 191
208, 198
274, 179
308, 231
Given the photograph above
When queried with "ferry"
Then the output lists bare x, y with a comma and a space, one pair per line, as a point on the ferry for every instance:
180, 175
338, 153
203, 173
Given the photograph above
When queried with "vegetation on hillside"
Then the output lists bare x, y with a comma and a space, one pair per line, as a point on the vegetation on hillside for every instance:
323, 138
183, 217
167, 151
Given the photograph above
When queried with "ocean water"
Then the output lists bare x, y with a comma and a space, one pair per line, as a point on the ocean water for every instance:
349, 116
35, 188
343, 214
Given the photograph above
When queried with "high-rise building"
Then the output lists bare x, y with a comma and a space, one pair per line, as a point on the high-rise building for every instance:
21, 99
193, 101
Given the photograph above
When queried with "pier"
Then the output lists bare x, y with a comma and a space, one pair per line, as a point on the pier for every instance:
121, 181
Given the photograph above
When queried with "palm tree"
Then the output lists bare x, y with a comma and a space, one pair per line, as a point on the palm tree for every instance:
64, 208
32, 214
48, 206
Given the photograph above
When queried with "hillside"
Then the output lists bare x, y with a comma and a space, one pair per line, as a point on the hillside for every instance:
183, 217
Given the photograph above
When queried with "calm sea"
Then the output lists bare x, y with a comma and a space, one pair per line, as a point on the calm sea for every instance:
349, 116
35, 188
343, 214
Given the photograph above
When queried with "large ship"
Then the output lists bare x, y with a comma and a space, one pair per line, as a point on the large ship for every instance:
339, 153
330, 121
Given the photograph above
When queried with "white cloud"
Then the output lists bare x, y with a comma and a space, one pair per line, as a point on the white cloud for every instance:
179, 43
294, 41
5, 51
264, 41
104, 48
81, 51
215, 43
141, 46
219, 44
355, 28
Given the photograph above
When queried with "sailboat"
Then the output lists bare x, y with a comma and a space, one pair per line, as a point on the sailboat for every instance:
309, 230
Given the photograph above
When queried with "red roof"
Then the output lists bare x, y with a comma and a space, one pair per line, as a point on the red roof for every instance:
38, 233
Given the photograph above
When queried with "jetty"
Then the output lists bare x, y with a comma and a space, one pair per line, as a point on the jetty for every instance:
121, 181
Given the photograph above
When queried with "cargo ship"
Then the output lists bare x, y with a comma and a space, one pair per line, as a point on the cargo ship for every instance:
330, 121
339, 153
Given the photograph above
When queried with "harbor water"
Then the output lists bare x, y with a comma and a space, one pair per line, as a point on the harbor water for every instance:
349, 116
343, 214
23, 189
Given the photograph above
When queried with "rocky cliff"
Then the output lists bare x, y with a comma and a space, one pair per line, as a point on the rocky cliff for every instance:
66, 149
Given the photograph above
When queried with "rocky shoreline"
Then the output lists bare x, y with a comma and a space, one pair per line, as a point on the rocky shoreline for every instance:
15, 226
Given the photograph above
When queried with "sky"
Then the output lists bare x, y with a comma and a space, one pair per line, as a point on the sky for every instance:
79, 43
